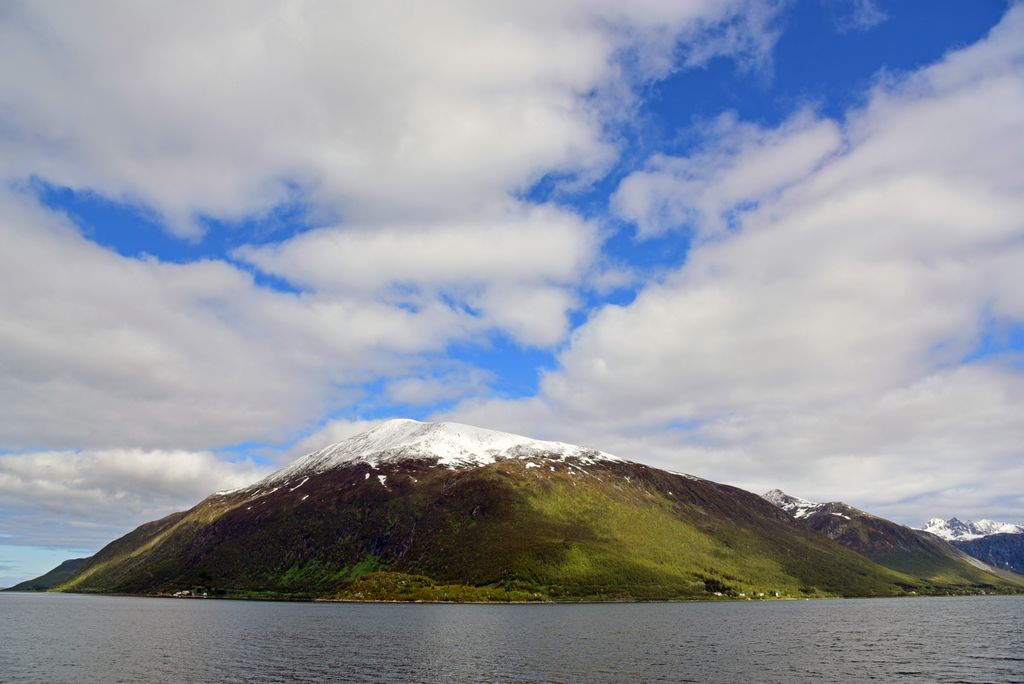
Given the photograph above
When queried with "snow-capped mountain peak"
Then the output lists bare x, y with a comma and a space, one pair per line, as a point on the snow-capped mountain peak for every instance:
794, 505
453, 445
958, 530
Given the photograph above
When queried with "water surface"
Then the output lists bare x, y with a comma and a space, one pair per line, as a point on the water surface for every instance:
73, 638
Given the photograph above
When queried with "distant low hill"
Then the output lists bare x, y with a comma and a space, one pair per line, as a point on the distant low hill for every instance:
60, 574
442, 511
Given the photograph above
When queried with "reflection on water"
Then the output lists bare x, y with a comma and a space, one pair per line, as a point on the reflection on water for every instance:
69, 638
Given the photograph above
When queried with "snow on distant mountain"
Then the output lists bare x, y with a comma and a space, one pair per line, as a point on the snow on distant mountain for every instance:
452, 445
958, 530
794, 505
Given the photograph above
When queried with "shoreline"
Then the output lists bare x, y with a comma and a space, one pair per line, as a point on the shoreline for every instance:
789, 599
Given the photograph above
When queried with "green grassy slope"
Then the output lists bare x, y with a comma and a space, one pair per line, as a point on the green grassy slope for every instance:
654, 536
507, 531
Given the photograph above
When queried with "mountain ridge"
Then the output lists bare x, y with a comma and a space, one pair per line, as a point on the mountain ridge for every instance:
998, 544
954, 529
898, 547
444, 511
452, 445
60, 574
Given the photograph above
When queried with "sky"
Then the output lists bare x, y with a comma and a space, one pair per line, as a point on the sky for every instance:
769, 243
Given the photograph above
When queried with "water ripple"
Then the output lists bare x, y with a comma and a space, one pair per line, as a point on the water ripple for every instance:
68, 638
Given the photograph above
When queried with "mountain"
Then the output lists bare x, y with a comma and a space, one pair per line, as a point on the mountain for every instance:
61, 573
930, 560
1000, 550
794, 505
999, 544
956, 530
443, 511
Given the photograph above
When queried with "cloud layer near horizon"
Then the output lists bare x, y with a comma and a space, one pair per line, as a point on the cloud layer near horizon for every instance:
83, 499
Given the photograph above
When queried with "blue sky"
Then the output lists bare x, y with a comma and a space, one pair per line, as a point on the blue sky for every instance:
792, 228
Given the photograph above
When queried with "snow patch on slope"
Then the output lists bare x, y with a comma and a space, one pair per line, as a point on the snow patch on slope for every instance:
794, 505
958, 530
452, 445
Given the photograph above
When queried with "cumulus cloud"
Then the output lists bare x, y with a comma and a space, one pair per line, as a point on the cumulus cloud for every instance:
513, 269
419, 124
827, 342
382, 112
742, 165
85, 499
100, 350
430, 387
523, 244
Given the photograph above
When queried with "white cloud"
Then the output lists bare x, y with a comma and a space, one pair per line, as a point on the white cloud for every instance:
426, 388
419, 124
522, 244
743, 164
856, 15
100, 350
384, 112
87, 498
514, 270
819, 345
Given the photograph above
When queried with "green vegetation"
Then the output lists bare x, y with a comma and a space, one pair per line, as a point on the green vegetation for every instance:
397, 586
647, 544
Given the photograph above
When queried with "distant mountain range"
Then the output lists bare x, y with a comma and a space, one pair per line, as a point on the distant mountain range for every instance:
999, 544
443, 511
957, 530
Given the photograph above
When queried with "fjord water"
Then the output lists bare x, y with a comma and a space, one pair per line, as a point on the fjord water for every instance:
76, 638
